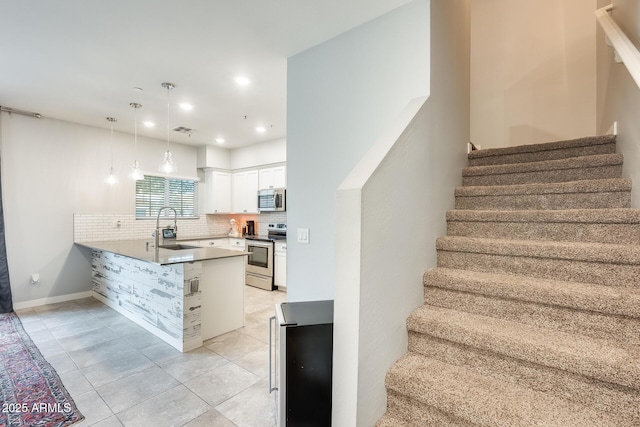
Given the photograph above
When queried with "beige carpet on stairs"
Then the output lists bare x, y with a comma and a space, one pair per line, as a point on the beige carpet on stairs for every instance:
532, 315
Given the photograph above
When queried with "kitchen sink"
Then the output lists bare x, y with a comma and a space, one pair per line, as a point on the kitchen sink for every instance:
177, 247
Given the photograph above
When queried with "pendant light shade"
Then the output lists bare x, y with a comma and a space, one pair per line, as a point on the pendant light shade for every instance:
135, 173
167, 165
112, 178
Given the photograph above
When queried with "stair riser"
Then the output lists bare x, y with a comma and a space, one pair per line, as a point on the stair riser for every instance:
554, 231
564, 175
539, 156
545, 268
600, 200
592, 393
411, 412
597, 325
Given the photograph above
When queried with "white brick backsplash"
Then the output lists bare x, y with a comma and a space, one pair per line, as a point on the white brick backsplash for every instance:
90, 227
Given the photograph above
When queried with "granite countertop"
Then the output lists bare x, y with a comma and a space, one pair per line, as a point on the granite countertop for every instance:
138, 249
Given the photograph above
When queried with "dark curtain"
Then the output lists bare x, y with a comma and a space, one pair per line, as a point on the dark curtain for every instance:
6, 301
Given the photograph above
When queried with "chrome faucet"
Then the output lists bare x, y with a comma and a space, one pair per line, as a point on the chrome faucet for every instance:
175, 224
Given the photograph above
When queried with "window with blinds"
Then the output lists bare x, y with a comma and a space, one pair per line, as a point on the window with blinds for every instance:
154, 192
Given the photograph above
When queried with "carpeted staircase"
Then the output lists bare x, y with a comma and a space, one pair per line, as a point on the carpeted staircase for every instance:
532, 316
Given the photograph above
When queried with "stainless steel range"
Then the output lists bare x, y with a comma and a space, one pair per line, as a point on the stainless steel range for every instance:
260, 263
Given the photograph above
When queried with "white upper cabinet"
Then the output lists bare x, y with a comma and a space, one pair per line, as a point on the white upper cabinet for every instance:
237, 192
273, 177
218, 188
245, 192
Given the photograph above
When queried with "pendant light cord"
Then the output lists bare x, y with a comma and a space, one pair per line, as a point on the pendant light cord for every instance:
168, 113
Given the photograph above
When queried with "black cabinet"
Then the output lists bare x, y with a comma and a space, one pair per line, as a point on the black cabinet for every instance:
305, 363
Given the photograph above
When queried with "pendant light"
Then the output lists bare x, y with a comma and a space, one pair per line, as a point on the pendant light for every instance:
135, 173
167, 165
111, 179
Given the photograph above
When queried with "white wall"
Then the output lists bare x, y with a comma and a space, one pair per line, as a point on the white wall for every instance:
51, 169
379, 269
263, 153
341, 95
250, 156
533, 71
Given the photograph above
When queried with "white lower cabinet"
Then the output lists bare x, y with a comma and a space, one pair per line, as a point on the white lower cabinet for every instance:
280, 265
215, 243
236, 244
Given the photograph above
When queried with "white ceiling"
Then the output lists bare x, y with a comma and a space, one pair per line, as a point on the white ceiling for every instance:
79, 60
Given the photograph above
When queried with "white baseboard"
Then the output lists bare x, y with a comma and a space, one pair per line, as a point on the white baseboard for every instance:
51, 300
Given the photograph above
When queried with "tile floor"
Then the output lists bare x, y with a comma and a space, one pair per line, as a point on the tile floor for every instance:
121, 375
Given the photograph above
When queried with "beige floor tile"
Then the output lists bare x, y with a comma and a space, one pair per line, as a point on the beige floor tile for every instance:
252, 407
62, 363
118, 367
160, 353
112, 421
136, 388
256, 362
50, 349
211, 418
87, 339
193, 364
99, 352
92, 407
235, 346
75, 382
216, 386
174, 407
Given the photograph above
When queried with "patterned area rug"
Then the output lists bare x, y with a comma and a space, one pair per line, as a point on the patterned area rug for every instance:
32, 393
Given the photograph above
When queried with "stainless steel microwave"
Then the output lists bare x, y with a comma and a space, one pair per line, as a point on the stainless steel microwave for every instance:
272, 200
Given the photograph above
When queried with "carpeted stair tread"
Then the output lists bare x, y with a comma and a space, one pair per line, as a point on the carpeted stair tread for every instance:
610, 313
590, 357
601, 166
587, 216
575, 251
547, 151
585, 186
390, 421
586, 225
584, 194
580, 296
482, 400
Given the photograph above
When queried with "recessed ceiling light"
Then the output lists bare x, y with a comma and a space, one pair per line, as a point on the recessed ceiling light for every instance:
186, 106
220, 140
242, 80
261, 129
149, 124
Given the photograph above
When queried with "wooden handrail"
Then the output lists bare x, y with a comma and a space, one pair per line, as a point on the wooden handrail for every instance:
624, 48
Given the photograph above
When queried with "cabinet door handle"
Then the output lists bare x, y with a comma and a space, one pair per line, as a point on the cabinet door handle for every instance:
272, 320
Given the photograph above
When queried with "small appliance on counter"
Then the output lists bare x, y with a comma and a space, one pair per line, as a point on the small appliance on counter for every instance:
304, 362
233, 228
251, 228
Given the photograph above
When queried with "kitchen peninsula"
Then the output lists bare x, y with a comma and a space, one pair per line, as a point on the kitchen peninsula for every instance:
183, 295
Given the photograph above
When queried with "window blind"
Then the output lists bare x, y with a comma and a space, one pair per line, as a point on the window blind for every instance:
154, 192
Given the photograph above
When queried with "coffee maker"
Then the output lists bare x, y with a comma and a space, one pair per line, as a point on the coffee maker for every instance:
251, 228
